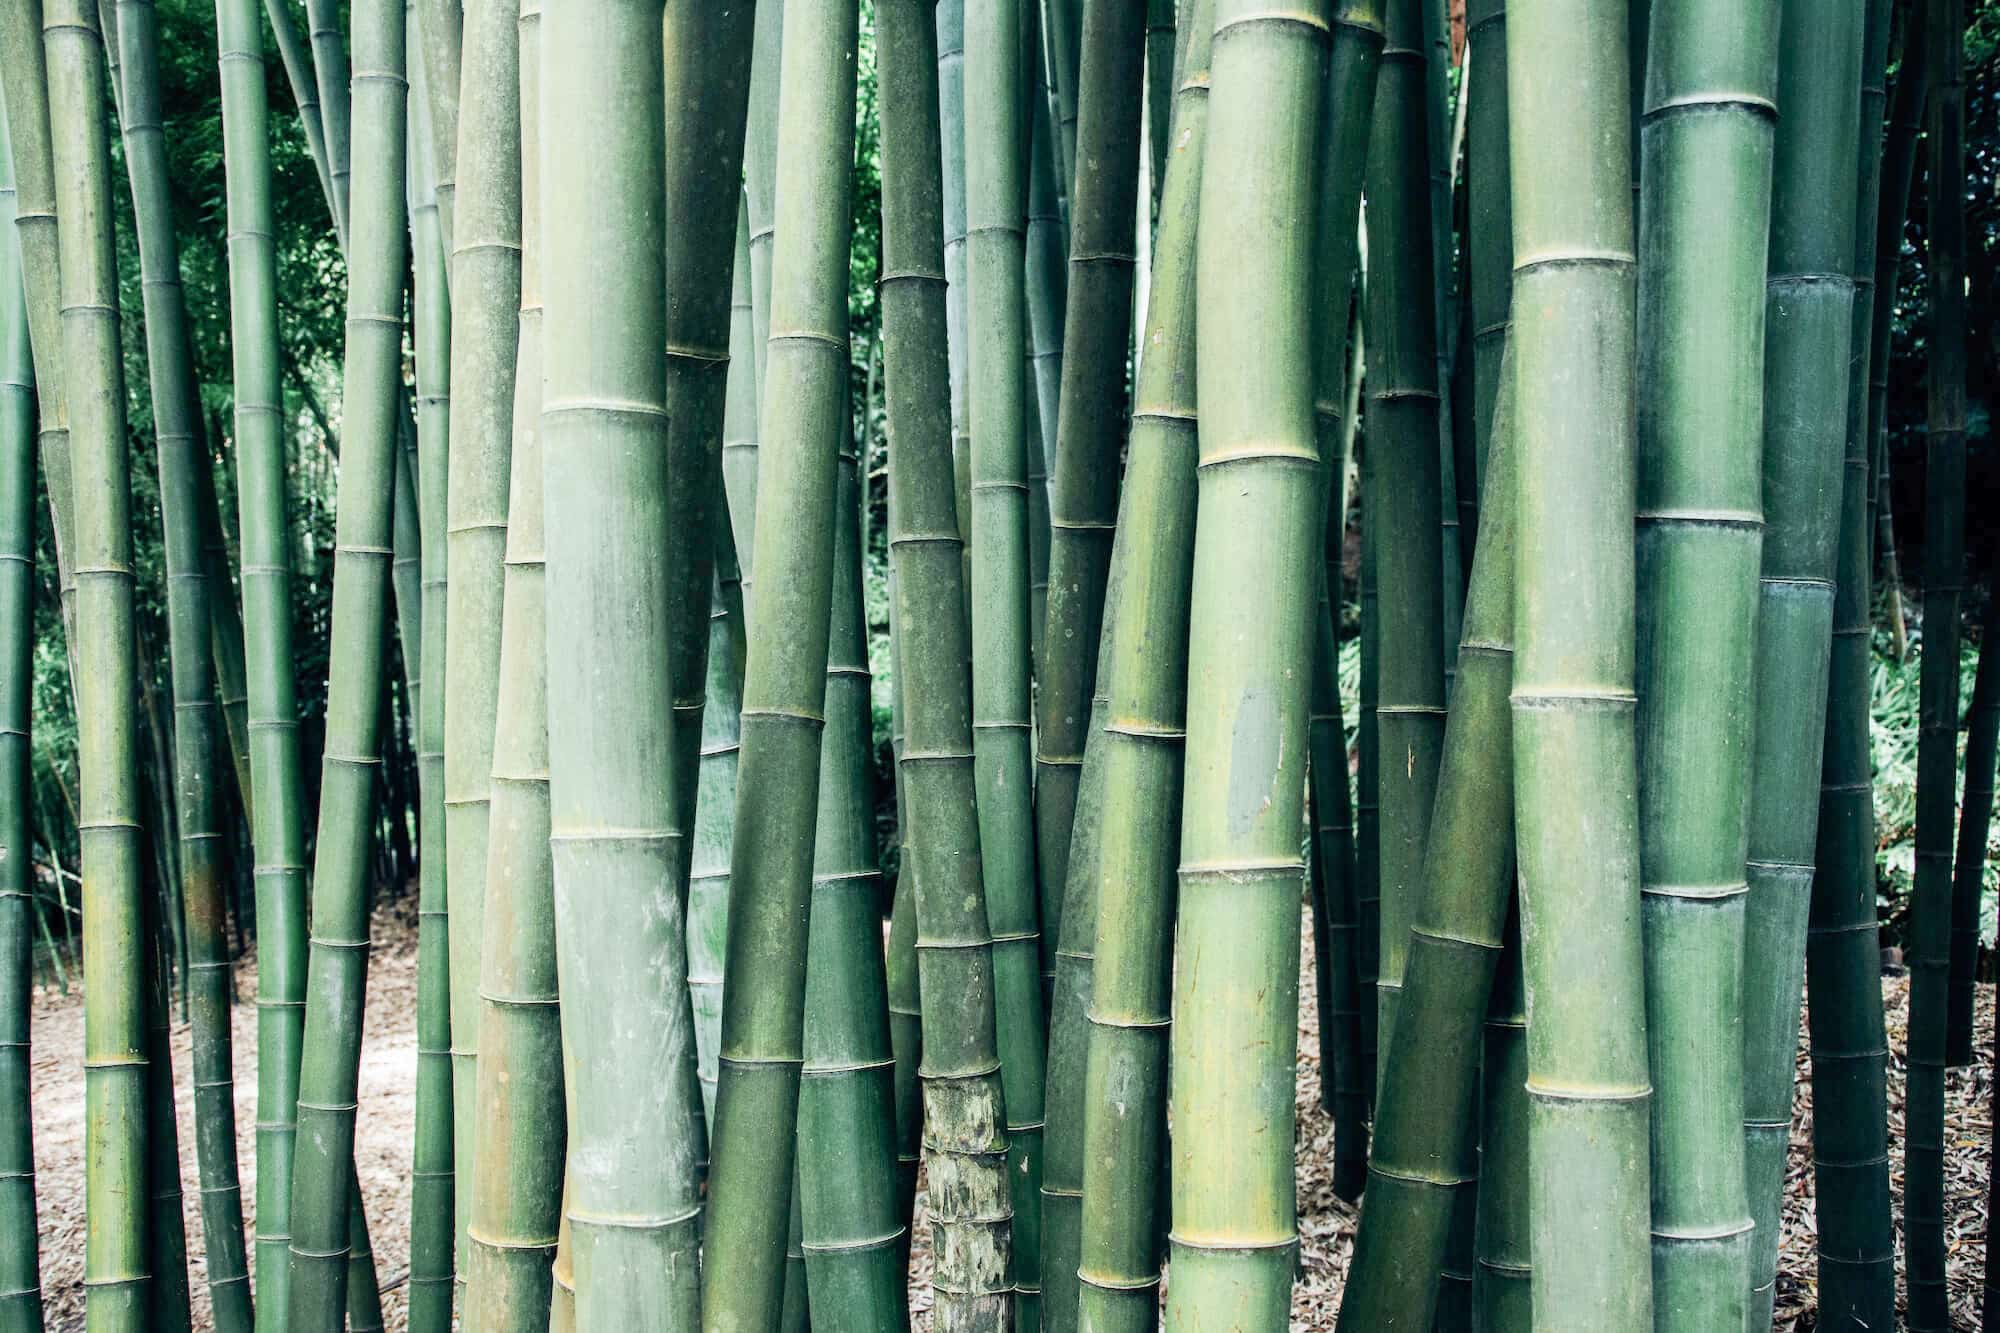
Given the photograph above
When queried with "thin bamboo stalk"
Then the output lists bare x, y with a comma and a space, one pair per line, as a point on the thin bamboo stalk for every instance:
331, 75
298, 62
760, 187
441, 53
739, 413
1503, 1280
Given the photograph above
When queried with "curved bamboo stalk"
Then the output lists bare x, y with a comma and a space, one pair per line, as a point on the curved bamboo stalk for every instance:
1809, 313
1083, 501
1575, 776
964, 1112
177, 423
20, 1257
1241, 874
784, 683
336, 969
117, 962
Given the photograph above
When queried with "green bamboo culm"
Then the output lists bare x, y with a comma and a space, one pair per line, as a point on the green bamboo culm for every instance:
433, 1179
1403, 494
197, 757
1490, 243
1938, 709
1353, 75
296, 58
1009, 802
485, 282
1250, 620
851, 1230
1975, 823
332, 77
115, 942
1063, 24
371, 399
760, 186
441, 56
784, 682
278, 827
951, 125
1368, 767
906, 1025
1136, 764
635, 1132
965, 1139
1048, 285
1808, 319
519, 1115
1423, 1153
1855, 1233
1083, 499
1502, 1277
20, 1257
1576, 777
739, 425
1706, 143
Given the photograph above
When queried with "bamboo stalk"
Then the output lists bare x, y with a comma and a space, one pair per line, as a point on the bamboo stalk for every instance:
1503, 1281
331, 75
297, 59
441, 53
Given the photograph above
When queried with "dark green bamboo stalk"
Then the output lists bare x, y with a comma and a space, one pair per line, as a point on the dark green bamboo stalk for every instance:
1575, 776
1938, 712
1705, 191
20, 1258
177, 422
1352, 77
784, 682
996, 400
1856, 1241
1161, 62
1809, 310
485, 280
1047, 274
1502, 1281
1425, 1120
1899, 170
1982, 726
964, 1112
120, 1292
371, 397
951, 146
1083, 501
635, 1128
278, 831
519, 1116
1490, 238
1063, 24
1250, 617
433, 1180
851, 1232
906, 1027
1367, 775
442, 27
1403, 440
166, 1223
226, 637
1133, 849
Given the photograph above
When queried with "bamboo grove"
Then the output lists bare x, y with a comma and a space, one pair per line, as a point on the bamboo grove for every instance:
893, 566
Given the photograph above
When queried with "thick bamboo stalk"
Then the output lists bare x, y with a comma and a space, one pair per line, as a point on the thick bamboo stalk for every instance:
336, 969
1575, 776
516, 1188
1251, 608
1405, 496
1083, 501
433, 1184
1705, 190
784, 682
1809, 311
177, 423
635, 1130
1425, 1121
20, 1257
1938, 711
485, 278
965, 1136
1855, 1235
851, 1232
115, 942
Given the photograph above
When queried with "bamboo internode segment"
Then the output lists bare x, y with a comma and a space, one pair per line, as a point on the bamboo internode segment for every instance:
1576, 779
442, 24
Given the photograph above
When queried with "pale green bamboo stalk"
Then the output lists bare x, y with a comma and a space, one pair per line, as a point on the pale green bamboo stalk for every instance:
739, 424
760, 188
371, 401
298, 63
784, 681
1569, 118
951, 114
442, 56
1235, 1226
117, 965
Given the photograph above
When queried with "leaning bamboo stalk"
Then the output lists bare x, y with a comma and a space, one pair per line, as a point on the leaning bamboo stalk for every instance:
1854, 1232
1705, 189
1898, 175
1423, 1149
297, 59
116, 962
1808, 323
1083, 499
739, 414
1503, 1281
1938, 710
1975, 823
1251, 602
20, 1258
784, 682
760, 188
964, 1113
1575, 776
371, 397
182, 464
1047, 274
442, 54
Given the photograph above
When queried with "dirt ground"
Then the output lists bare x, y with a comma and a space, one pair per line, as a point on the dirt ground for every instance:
1326, 1225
